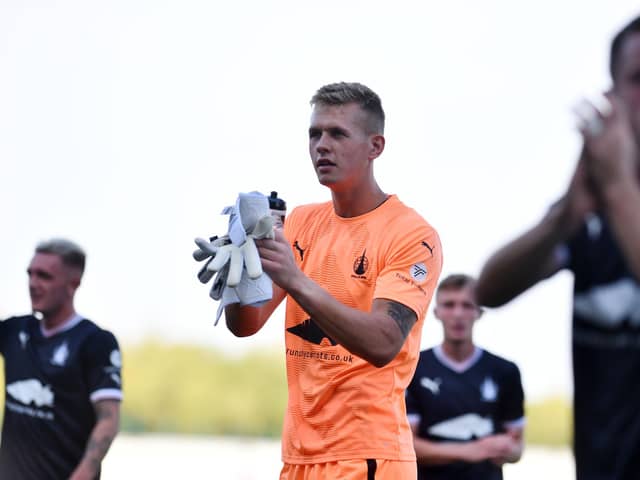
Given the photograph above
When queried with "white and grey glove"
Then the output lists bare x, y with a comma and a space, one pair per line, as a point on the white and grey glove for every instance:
234, 258
207, 250
224, 253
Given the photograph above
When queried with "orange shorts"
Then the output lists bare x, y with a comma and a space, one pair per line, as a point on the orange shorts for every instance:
351, 470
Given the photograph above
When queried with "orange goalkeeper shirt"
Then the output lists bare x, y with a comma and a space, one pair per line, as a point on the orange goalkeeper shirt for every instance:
340, 406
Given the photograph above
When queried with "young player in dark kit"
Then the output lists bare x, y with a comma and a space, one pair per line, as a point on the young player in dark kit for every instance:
465, 405
62, 375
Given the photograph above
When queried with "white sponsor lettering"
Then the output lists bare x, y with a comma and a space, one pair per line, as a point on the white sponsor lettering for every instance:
32, 412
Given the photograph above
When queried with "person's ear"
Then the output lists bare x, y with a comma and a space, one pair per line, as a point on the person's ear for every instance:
73, 283
377, 143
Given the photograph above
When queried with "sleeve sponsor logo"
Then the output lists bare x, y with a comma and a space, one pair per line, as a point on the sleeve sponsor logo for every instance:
115, 358
411, 282
418, 272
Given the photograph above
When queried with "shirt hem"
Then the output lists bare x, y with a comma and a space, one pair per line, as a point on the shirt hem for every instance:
374, 454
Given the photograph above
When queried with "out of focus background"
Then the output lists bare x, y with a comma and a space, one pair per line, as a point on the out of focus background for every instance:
128, 125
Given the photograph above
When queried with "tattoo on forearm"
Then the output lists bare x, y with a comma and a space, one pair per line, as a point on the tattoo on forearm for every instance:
104, 432
405, 317
97, 448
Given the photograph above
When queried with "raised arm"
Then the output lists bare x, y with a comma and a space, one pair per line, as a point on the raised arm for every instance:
376, 336
533, 256
613, 163
520, 264
103, 433
244, 321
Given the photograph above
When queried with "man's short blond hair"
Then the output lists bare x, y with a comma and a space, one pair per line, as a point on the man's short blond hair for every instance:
343, 93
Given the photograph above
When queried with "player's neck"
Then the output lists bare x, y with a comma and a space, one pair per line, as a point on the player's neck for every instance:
458, 351
53, 320
352, 203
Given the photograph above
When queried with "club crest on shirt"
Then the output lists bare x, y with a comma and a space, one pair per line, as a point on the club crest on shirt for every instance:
360, 265
489, 390
60, 355
24, 338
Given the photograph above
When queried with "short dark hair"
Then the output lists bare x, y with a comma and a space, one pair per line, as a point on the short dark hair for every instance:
616, 45
71, 254
456, 281
342, 93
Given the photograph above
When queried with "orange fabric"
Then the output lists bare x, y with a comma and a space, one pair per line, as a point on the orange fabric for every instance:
350, 470
340, 406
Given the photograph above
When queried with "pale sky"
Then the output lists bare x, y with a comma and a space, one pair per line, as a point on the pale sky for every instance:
128, 125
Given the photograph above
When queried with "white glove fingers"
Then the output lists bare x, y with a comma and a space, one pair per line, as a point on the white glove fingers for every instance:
221, 257
235, 268
210, 248
252, 259
205, 275
219, 283
200, 255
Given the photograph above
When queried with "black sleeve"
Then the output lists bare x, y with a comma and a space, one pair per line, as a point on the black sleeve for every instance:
4, 329
413, 405
102, 366
512, 402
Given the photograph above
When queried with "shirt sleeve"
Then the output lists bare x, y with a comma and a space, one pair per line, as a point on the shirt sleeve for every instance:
410, 272
103, 366
3, 334
512, 402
